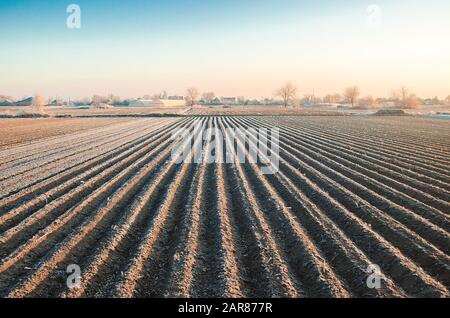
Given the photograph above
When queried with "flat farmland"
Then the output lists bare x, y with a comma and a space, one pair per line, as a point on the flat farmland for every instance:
351, 194
88, 111
259, 110
21, 130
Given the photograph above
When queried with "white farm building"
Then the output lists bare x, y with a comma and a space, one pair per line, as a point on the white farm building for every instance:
157, 103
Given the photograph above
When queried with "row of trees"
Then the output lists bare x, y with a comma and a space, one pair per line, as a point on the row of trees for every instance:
288, 94
38, 104
408, 99
404, 97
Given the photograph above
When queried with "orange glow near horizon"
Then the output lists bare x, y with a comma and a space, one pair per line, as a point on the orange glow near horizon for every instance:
322, 52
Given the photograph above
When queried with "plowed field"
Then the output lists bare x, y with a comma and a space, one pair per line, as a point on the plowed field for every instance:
349, 193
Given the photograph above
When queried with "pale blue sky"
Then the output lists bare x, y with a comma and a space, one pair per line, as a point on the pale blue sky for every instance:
246, 47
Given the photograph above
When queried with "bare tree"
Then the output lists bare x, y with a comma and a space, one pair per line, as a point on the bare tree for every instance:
368, 101
113, 99
412, 102
296, 103
241, 100
97, 100
379, 101
85, 101
407, 98
395, 95
309, 98
287, 93
38, 104
163, 95
332, 99
352, 93
191, 96
208, 96
403, 92
403, 95
328, 99
337, 98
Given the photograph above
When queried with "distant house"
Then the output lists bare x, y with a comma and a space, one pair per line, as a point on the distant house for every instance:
56, 102
390, 103
428, 102
141, 103
229, 100
255, 102
26, 102
212, 102
175, 97
215, 101
6, 101
157, 103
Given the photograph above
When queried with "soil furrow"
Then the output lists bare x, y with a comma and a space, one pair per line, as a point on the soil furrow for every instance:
356, 205
106, 212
